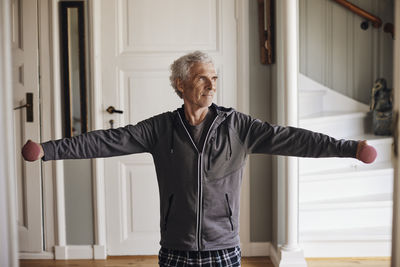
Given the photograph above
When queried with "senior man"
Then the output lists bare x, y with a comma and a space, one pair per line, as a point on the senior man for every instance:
199, 151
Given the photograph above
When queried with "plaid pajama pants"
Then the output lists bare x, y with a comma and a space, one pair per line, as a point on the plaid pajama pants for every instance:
215, 258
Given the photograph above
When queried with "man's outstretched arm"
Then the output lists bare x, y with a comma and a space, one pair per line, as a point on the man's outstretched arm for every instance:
262, 137
96, 144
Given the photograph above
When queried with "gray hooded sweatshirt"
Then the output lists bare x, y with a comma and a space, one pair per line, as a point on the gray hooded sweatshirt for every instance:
199, 191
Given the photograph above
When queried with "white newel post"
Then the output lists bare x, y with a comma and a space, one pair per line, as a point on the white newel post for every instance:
291, 254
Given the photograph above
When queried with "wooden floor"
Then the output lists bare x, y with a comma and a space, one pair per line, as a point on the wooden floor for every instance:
147, 261
136, 261
350, 262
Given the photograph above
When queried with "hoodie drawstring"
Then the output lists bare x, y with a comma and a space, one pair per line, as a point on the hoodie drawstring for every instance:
229, 152
172, 137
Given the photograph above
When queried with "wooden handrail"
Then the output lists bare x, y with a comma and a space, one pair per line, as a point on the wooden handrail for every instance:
376, 21
265, 30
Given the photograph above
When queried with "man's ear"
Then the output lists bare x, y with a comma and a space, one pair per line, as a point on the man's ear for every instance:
179, 85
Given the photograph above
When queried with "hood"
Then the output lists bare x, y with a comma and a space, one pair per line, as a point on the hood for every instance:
222, 114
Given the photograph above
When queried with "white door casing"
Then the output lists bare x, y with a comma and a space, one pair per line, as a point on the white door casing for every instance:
26, 79
139, 41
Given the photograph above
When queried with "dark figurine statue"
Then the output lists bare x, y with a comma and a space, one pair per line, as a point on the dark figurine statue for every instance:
382, 108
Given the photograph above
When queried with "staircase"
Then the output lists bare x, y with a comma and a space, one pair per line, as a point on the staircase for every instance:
345, 205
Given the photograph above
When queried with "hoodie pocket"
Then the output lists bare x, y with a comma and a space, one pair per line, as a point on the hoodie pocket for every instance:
224, 155
170, 199
229, 210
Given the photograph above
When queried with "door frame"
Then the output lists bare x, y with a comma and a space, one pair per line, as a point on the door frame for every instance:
99, 202
241, 10
48, 129
47, 73
7, 139
8, 226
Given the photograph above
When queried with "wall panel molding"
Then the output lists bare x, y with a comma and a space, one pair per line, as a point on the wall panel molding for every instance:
200, 33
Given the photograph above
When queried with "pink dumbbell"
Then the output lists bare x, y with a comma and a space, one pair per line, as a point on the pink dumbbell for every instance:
367, 154
31, 151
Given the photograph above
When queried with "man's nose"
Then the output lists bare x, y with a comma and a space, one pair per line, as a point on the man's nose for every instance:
211, 85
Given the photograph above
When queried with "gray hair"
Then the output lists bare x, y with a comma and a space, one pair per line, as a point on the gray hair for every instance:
180, 69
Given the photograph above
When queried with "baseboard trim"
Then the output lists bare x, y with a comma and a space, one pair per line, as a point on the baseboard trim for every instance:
255, 249
99, 252
347, 249
60, 252
351, 258
73, 252
68, 253
274, 255
291, 258
45, 255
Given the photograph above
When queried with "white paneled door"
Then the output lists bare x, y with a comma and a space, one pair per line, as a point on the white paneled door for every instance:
140, 39
26, 124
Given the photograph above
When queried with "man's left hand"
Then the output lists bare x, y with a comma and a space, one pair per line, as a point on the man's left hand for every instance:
365, 152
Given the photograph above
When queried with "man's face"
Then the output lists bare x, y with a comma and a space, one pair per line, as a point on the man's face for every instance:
198, 91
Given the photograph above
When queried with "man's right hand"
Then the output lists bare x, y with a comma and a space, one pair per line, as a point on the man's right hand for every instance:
32, 151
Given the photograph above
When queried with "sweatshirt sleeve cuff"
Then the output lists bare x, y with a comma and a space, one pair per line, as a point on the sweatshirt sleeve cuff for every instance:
351, 151
48, 149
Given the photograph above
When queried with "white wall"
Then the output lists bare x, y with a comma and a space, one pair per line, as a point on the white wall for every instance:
336, 52
261, 179
78, 202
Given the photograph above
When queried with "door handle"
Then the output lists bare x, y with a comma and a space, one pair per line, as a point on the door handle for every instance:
28, 106
112, 110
